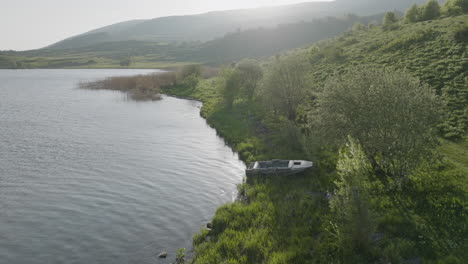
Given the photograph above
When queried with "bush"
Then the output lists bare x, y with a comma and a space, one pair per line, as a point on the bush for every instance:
460, 34
352, 217
409, 39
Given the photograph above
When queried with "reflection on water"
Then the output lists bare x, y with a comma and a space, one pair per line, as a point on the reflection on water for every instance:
89, 177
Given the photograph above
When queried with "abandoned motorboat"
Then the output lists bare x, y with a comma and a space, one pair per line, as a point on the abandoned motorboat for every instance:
277, 167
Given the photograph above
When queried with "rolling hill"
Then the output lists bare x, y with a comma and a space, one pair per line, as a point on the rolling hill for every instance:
211, 25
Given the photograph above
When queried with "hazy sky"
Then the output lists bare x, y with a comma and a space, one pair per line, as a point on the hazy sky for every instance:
31, 24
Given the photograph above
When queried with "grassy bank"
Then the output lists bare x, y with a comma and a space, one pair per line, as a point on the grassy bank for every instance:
290, 219
287, 220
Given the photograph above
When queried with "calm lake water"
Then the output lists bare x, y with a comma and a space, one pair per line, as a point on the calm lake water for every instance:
90, 177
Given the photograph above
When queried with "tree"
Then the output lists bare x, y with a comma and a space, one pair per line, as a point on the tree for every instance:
229, 86
430, 10
249, 74
352, 222
192, 69
285, 84
391, 114
412, 14
390, 18
190, 75
455, 7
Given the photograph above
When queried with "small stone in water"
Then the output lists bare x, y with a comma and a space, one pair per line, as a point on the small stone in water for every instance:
163, 254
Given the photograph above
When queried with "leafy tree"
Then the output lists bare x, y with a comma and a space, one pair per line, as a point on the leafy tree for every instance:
229, 86
352, 222
190, 75
390, 18
430, 10
285, 84
412, 14
390, 113
249, 74
191, 81
455, 7
192, 69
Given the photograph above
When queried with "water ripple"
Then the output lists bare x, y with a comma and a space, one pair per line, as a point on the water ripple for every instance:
89, 177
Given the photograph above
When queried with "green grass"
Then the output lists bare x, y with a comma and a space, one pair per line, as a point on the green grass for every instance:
85, 59
456, 152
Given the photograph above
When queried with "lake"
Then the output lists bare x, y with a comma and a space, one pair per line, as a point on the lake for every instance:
91, 177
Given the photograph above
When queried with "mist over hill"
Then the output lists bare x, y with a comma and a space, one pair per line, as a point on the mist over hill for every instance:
205, 27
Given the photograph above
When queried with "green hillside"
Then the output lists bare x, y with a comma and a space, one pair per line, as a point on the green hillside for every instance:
429, 50
205, 27
264, 42
214, 37
317, 217
143, 54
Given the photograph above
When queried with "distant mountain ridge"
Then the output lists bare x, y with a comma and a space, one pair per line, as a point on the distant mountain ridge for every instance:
205, 27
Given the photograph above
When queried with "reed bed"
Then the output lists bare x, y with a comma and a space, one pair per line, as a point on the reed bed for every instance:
140, 87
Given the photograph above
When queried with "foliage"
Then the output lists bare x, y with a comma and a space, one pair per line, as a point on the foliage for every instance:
352, 221
389, 19
191, 70
460, 33
229, 86
389, 112
413, 14
289, 219
190, 75
180, 256
455, 7
249, 74
428, 51
431, 10
285, 85
407, 40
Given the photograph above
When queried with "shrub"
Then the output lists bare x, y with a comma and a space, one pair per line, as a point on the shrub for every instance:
353, 224
409, 39
460, 34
